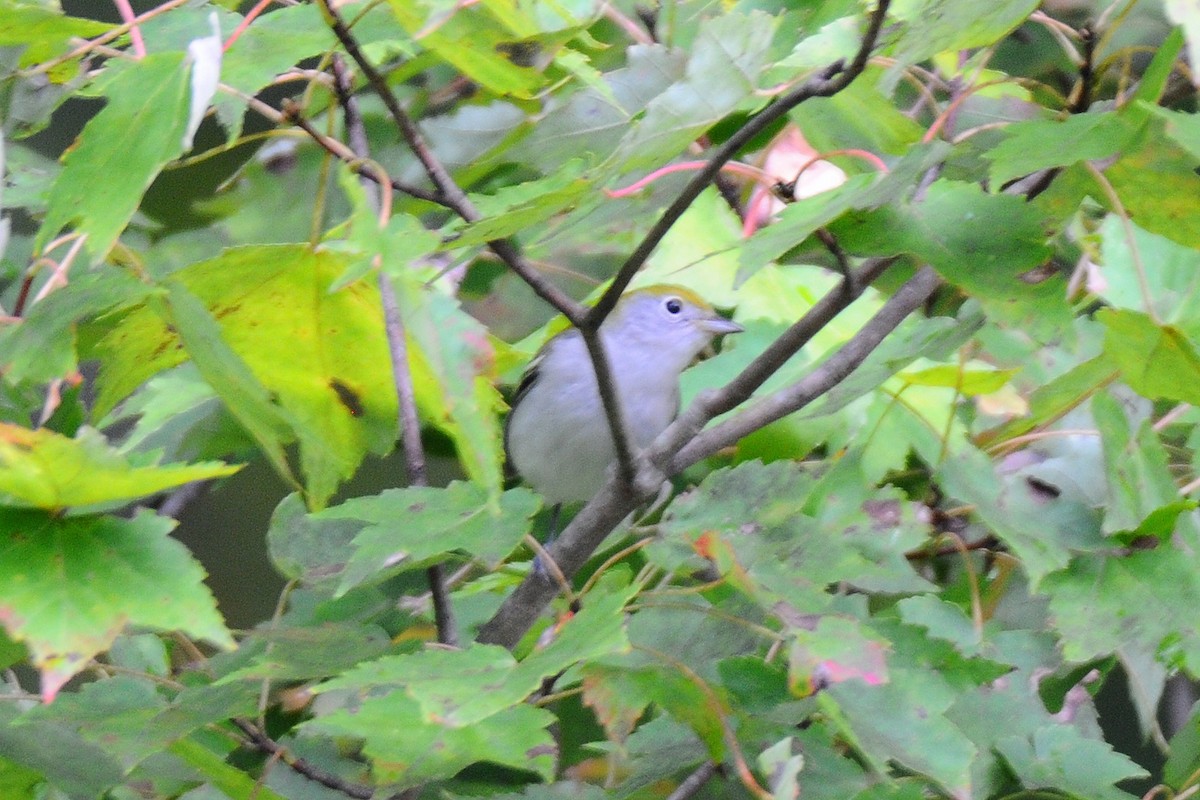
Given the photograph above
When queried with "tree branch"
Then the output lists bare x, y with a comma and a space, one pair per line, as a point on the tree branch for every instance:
314, 773
831, 372
827, 82
410, 423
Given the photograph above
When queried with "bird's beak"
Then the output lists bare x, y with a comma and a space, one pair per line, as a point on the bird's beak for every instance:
719, 325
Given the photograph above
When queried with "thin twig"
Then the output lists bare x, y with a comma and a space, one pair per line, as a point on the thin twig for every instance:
827, 82
135, 33
409, 420
1135, 253
266, 744
694, 782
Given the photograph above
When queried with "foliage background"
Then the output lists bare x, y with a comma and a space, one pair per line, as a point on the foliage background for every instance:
906, 567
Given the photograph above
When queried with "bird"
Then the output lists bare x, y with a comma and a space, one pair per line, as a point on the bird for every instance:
557, 434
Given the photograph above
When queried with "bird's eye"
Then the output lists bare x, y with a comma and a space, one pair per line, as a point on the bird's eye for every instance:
673, 305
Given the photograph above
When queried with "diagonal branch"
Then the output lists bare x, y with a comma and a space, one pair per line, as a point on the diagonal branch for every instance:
410, 423
827, 82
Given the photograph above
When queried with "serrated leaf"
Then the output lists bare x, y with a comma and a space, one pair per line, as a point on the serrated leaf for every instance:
838, 649
1041, 144
1059, 756
980, 242
1009, 512
1156, 360
291, 360
446, 684
524, 206
41, 346
274, 43
1052, 400
936, 26
1154, 181
860, 192
38, 746
904, 720
468, 38
1141, 491
752, 522
47, 470
70, 585
1172, 270
120, 152
413, 527
967, 379
407, 749
1142, 599
724, 63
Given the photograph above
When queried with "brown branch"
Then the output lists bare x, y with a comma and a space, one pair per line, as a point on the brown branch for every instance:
830, 373
827, 82
266, 744
339, 150
410, 423
694, 782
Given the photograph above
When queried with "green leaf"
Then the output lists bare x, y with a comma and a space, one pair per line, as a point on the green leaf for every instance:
1142, 494
70, 585
1142, 599
311, 652
1184, 757
968, 379
469, 39
274, 43
723, 66
753, 523
120, 152
230, 780
42, 748
46, 470
860, 192
405, 748
1044, 542
417, 526
400, 245
42, 30
1052, 400
524, 206
1157, 361
1044, 143
1154, 182
41, 346
937, 26
592, 122
838, 649
1059, 756
1171, 273
904, 720
446, 684
307, 547
980, 242
290, 360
